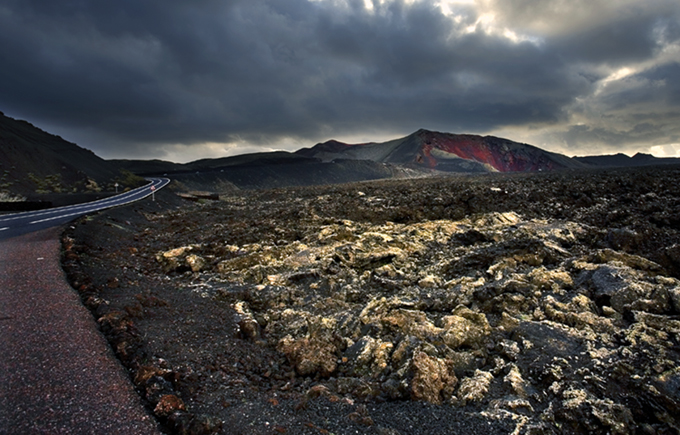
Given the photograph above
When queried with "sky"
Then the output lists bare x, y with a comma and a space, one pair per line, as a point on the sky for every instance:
182, 80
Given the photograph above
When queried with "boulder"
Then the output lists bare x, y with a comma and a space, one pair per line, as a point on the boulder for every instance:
475, 388
180, 259
434, 379
464, 328
310, 356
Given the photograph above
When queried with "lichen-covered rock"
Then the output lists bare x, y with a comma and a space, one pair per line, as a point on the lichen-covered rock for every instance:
626, 289
586, 412
410, 322
552, 306
433, 380
195, 262
516, 382
369, 356
464, 328
475, 388
310, 356
176, 259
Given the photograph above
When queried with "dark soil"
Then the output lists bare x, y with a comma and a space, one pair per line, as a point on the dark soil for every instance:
231, 334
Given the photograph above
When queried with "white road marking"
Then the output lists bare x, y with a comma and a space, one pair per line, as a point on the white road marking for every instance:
85, 208
55, 217
119, 197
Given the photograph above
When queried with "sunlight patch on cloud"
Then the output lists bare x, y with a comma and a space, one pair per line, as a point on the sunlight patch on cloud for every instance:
612, 78
619, 74
669, 150
487, 23
450, 7
560, 17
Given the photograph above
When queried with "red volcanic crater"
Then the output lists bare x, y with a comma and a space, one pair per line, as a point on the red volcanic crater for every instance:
448, 152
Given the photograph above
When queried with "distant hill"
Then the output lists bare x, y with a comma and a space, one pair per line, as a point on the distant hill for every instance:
448, 152
423, 153
33, 161
156, 167
268, 170
624, 161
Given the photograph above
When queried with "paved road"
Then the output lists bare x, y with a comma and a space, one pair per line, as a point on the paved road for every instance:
58, 374
22, 223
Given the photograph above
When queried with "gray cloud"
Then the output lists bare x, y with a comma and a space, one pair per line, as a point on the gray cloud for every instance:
133, 77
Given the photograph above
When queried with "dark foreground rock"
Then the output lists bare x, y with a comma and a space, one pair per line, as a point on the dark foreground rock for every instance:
545, 303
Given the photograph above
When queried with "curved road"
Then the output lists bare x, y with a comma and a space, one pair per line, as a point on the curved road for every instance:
58, 374
22, 223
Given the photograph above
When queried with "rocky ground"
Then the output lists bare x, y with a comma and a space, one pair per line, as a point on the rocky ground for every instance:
518, 304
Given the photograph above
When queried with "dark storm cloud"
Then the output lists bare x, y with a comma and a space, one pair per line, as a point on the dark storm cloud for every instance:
642, 108
129, 74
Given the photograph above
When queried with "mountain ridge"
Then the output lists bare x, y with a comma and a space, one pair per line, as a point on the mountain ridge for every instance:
449, 152
35, 161
621, 160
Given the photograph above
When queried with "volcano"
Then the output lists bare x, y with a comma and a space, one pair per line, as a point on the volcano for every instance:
448, 152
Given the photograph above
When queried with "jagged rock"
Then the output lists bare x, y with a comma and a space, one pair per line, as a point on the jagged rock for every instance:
589, 413
410, 322
475, 388
310, 356
433, 380
623, 239
195, 262
674, 294
555, 280
521, 315
429, 282
668, 385
176, 259
626, 289
622, 259
516, 382
464, 328
248, 326
369, 356
579, 313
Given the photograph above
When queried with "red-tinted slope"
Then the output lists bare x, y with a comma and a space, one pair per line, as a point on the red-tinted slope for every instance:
501, 154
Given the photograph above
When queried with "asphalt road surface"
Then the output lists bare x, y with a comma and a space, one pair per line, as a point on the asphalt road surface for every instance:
21, 223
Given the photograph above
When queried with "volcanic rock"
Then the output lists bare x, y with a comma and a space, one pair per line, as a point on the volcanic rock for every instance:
510, 301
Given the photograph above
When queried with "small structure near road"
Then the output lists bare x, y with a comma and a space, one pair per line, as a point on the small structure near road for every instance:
197, 195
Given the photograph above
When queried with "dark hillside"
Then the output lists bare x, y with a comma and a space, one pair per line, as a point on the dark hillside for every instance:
623, 161
160, 167
34, 161
296, 172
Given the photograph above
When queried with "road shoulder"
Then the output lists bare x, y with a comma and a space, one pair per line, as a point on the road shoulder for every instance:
57, 372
